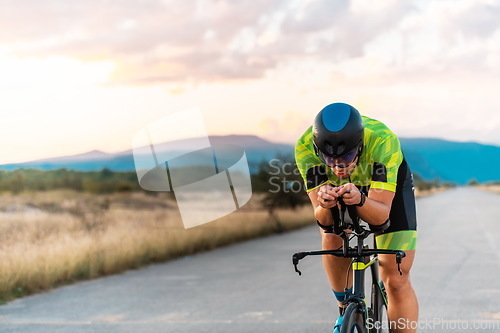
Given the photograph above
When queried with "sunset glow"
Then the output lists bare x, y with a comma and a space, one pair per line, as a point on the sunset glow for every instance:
88, 75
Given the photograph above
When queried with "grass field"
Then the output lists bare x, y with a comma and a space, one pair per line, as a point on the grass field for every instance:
495, 188
57, 237
51, 238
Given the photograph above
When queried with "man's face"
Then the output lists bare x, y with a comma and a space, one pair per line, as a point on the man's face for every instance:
345, 172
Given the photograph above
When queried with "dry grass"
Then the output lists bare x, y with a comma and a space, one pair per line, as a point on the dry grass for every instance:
434, 190
490, 188
51, 238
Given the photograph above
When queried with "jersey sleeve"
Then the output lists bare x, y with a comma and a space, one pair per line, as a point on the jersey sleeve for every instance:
311, 169
387, 159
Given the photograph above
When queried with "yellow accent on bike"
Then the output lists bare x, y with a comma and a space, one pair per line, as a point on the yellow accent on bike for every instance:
358, 266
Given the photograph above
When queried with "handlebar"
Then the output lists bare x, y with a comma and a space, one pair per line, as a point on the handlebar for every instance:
350, 253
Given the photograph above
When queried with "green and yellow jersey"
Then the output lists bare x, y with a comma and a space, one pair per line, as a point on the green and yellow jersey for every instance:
377, 166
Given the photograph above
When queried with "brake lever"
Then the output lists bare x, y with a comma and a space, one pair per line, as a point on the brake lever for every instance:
295, 260
399, 258
297, 270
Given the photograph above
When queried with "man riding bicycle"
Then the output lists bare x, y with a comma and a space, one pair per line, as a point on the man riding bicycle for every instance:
359, 159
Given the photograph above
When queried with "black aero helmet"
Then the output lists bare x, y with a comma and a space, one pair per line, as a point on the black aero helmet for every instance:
337, 129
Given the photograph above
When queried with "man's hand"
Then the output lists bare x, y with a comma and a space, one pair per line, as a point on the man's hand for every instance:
350, 194
327, 196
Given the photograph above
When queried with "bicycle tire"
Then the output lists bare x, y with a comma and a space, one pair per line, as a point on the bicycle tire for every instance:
353, 321
380, 321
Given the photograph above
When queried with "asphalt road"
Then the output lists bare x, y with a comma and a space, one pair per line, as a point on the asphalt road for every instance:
251, 287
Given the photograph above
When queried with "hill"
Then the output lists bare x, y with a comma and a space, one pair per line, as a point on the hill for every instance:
457, 162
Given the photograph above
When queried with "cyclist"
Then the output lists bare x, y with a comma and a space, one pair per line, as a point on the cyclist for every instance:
359, 158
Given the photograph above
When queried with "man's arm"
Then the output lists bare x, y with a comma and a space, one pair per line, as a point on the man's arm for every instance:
322, 199
377, 206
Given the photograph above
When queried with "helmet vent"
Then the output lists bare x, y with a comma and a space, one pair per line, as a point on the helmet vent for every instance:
340, 149
329, 148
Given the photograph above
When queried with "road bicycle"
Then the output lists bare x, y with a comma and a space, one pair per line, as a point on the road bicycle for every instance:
358, 315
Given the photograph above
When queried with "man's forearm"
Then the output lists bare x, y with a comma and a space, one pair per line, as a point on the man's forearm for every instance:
323, 215
374, 212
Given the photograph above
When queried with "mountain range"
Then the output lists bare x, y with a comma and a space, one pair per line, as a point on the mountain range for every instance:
431, 159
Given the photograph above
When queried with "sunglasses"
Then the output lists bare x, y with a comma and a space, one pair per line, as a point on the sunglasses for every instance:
342, 161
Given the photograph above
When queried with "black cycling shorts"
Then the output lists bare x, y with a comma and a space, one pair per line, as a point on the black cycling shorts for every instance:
401, 234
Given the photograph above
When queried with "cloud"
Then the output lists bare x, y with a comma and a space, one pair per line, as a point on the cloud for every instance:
156, 40
473, 19
453, 36
206, 40
342, 30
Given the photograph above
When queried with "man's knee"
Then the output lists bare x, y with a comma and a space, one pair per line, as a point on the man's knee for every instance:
330, 241
396, 283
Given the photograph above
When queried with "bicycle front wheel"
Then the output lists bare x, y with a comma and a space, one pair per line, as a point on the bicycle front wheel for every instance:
353, 321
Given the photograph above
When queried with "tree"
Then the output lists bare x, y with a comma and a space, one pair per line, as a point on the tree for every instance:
282, 185
472, 182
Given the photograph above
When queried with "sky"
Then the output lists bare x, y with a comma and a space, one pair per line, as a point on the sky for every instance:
85, 74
